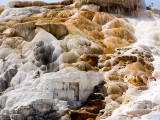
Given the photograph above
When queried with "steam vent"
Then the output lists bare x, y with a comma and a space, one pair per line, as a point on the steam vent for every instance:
79, 60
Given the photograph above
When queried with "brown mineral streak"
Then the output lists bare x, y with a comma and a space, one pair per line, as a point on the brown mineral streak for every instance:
85, 41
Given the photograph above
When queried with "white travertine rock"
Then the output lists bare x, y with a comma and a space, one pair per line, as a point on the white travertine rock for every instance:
25, 72
83, 82
44, 36
48, 54
6, 77
92, 7
12, 4
5, 52
126, 25
11, 13
40, 77
69, 69
71, 85
52, 52
152, 116
47, 49
68, 57
81, 45
45, 91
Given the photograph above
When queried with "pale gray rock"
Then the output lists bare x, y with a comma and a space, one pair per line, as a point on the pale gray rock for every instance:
50, 96
151, 116
6, 77
44, 36
17, 117
43, 53
11, 13
25, 72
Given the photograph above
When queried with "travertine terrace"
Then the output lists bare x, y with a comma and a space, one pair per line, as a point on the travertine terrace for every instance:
71, 59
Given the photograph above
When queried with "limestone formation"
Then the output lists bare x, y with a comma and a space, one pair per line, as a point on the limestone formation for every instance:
154, 10
127, 7
71, 60
24, 30
58, 30
1, 9
11, 13
18, 4
47, 91
125, 69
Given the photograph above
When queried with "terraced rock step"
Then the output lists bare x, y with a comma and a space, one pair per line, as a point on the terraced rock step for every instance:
70, 59
89, 111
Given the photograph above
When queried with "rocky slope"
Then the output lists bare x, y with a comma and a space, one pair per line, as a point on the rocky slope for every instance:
69, 60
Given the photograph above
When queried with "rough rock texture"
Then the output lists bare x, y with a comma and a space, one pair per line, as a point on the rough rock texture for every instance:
11, 13
1, 8
39, 97
90, 110
154, 10
15, 4
66, 60
127, 7
124, 70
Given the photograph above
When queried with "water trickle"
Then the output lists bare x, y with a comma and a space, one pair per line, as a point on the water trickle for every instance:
146, 104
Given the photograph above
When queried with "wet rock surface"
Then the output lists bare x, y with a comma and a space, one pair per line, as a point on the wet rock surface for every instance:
69, 61
124, 71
